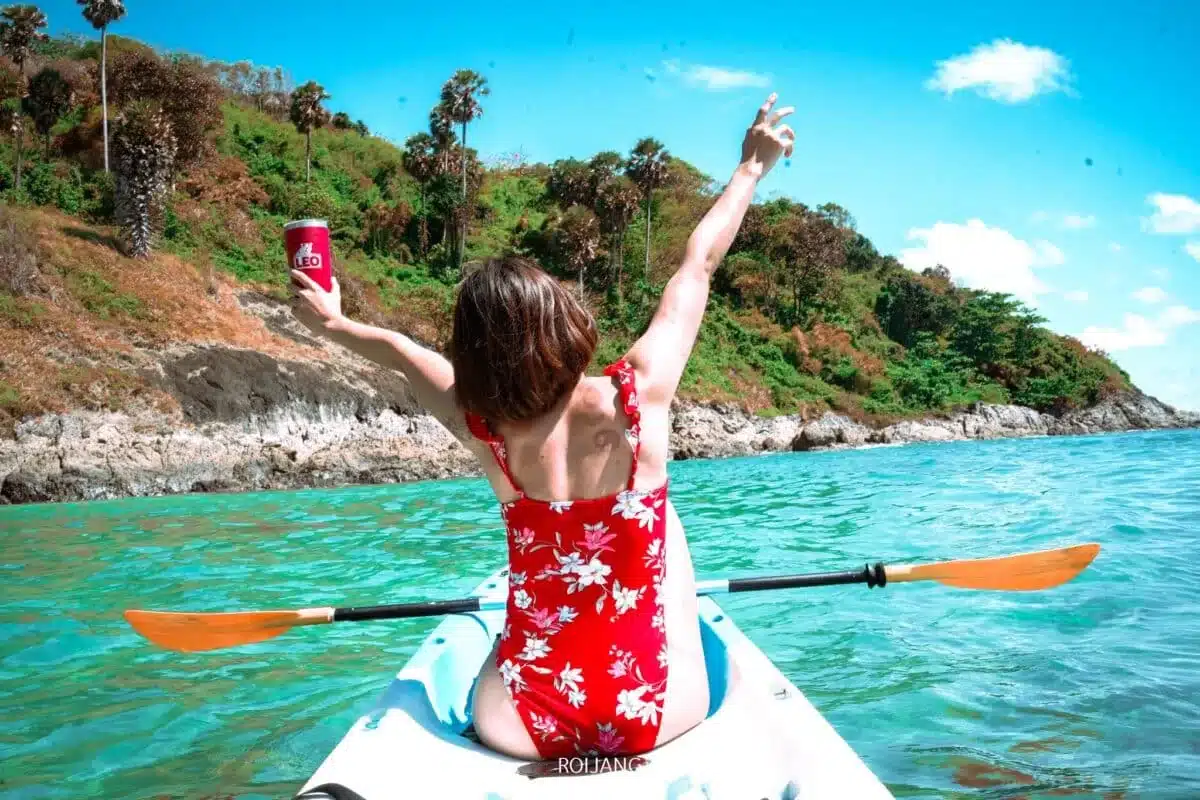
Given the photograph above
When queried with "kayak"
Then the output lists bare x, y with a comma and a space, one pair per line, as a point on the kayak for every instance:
762, 738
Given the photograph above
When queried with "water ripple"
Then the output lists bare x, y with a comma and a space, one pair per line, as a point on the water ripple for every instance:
1090, 689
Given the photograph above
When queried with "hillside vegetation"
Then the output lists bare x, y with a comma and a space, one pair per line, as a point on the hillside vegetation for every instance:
805, 314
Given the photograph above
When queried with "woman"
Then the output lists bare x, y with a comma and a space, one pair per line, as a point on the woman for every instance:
601, 606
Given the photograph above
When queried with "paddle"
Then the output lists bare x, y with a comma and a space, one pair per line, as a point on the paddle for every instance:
191, 632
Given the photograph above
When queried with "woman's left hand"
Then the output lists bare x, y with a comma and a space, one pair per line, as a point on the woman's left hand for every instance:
314, 306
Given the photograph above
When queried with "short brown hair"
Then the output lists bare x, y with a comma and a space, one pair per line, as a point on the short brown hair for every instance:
520, 340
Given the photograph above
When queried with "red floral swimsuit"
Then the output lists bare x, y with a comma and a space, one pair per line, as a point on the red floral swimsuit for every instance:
584, 648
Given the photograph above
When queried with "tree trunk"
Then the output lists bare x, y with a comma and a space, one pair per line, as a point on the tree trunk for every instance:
620, 262
462, 229
307, 156
47, 157
423, 228
581, 266
104, 89
18, 138
649, 197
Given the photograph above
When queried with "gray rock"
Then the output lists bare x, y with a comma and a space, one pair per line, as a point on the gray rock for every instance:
248, 421
831, 430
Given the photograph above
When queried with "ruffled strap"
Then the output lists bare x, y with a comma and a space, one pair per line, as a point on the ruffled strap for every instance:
479, 428
622, 370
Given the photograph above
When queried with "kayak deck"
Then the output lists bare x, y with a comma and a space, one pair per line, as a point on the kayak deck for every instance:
762, 738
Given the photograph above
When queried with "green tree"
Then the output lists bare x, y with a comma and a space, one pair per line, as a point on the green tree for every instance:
602, 166
576, 240
809, 249
20, 31
102, 13
617, 201
647, 167
997, 333
49, 98
12, 86
341, 121
569, 183
837, 215
306, 114
441, 130
460, 104
420, 161
144, 153
909, 305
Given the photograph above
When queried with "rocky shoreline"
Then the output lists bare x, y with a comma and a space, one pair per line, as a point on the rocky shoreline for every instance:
370, 434
245, 421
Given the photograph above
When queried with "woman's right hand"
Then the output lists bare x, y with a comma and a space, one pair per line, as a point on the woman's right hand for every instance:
318, 309
766, 140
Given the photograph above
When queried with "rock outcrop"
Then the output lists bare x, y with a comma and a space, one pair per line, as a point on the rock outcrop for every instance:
249, 421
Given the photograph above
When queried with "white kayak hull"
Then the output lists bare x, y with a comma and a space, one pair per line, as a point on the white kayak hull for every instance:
762, 738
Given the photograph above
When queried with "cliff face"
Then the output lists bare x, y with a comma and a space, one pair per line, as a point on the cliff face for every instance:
247, 420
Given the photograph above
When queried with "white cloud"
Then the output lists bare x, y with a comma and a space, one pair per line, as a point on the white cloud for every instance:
1174, 213
1076, 296
1077, 222
1114, 247
981, 257
1003, 70
1038, 217
716, 79
1049, 255
1192, 249
1161, 274
1150, 294
1180, 315
1137, 331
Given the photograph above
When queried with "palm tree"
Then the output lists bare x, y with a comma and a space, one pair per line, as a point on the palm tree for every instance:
648, 169
441, 131
616, 202
19, 31
420, 161
102, 13
308, 113
577, 240
49, 98
603, 166
460, 104
12, 86
570, 182
144, 152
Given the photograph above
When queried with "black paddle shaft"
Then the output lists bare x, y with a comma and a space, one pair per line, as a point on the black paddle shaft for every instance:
432, 608
871, 576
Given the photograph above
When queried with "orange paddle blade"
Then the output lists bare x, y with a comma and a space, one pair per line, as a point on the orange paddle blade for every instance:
1025, 572
195, 632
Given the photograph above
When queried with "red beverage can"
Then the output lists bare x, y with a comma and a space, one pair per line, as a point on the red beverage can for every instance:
308, 250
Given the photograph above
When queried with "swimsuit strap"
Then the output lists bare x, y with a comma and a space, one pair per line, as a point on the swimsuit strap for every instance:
481, 430
627, 386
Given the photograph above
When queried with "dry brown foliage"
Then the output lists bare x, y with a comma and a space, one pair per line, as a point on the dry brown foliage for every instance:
59, 355
224, 181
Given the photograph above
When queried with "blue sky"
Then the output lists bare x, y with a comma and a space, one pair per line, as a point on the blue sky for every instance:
953, 134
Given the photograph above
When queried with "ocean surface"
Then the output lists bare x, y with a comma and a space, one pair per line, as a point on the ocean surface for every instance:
1091, 689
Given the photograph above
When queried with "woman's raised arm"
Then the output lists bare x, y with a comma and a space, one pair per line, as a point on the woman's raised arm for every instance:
427, 372
662, 352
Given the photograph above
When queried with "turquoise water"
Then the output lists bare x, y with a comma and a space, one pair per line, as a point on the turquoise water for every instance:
1090, 689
